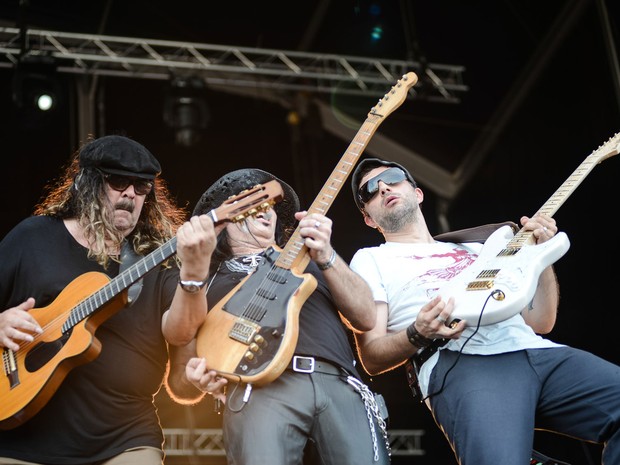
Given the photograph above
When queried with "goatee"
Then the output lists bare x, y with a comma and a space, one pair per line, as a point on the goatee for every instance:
395, 219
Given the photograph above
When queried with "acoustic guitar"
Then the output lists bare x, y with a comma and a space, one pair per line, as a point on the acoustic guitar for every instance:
34, 373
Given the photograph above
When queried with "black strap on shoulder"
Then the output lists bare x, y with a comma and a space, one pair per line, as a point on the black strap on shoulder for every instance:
475, 234
128, 258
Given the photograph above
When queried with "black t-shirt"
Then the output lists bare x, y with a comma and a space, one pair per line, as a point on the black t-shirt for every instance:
104, 406
322, 333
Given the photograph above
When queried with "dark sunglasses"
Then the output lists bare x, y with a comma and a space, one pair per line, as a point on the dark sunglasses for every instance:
120, 183
390, 176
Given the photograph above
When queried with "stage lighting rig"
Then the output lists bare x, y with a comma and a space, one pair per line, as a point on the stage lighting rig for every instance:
185, 109
35, 83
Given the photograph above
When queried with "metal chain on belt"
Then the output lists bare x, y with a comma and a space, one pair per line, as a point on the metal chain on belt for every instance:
372, 410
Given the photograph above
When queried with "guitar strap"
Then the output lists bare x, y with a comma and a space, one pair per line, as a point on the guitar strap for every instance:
475, 234
128, 258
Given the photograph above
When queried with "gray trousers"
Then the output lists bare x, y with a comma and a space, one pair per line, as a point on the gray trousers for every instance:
296, 410
489, 406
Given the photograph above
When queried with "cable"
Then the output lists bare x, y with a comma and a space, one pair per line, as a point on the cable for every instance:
445, 376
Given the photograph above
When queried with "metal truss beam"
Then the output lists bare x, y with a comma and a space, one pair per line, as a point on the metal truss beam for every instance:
208, 442
220, 65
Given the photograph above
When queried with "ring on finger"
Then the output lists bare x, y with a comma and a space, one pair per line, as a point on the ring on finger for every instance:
441, 319
317, 224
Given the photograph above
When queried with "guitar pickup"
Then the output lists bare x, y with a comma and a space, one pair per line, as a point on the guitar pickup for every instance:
480, 285
484, 280
509, 252
486, 274
244, 331
266, 294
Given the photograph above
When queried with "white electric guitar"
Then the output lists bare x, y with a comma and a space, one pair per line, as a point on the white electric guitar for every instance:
503, 279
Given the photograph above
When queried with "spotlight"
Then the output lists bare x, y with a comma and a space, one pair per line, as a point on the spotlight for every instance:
185, 109
45, 101
35, 85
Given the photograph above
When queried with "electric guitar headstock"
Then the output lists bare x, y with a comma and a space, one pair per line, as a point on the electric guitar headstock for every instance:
610, 148
396, 96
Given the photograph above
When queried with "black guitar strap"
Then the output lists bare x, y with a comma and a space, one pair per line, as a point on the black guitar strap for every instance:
475, 234
128, 258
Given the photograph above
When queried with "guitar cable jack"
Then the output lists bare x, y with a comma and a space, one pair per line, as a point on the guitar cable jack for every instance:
246, 394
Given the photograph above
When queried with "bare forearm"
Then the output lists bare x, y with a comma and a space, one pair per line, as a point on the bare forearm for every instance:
384, 353
182, 320
178, 386
542, 312
180, 389
351, 295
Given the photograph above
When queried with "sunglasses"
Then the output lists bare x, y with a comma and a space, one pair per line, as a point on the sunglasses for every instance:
390, 176
120, 183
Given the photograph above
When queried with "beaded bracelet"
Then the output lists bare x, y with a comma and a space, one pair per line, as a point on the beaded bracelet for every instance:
416, 339
329, 263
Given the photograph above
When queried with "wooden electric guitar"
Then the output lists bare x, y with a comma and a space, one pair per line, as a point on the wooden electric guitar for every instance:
250, 335
503, 279
33, 374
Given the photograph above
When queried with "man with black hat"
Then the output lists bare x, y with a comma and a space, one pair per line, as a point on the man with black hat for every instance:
107, 210
318, 403
488, 386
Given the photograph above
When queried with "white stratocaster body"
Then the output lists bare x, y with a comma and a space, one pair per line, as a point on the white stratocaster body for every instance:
502, 281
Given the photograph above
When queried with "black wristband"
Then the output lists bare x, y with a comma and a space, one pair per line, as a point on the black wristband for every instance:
416, 339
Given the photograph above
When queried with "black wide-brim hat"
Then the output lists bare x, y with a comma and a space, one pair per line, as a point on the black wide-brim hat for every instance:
236, 181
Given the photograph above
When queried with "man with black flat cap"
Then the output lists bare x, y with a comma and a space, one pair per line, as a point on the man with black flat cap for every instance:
318, 403
108, 209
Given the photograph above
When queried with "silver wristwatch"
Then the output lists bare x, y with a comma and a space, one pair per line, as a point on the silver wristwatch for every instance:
192, 286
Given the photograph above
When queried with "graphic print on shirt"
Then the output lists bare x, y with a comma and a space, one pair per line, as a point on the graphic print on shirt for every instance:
446, 266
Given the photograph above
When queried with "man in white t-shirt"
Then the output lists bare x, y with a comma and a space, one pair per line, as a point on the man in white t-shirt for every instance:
488, 385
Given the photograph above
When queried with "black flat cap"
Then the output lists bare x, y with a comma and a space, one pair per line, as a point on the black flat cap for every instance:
120, 155
240, 180
370, 164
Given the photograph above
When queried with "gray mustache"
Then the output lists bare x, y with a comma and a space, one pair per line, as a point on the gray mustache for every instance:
125, 205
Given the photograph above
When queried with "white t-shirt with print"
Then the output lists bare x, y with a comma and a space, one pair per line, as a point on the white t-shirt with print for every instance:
407, 276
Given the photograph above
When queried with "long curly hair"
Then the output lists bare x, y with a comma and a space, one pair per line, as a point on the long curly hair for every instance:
79, 193
232, 184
